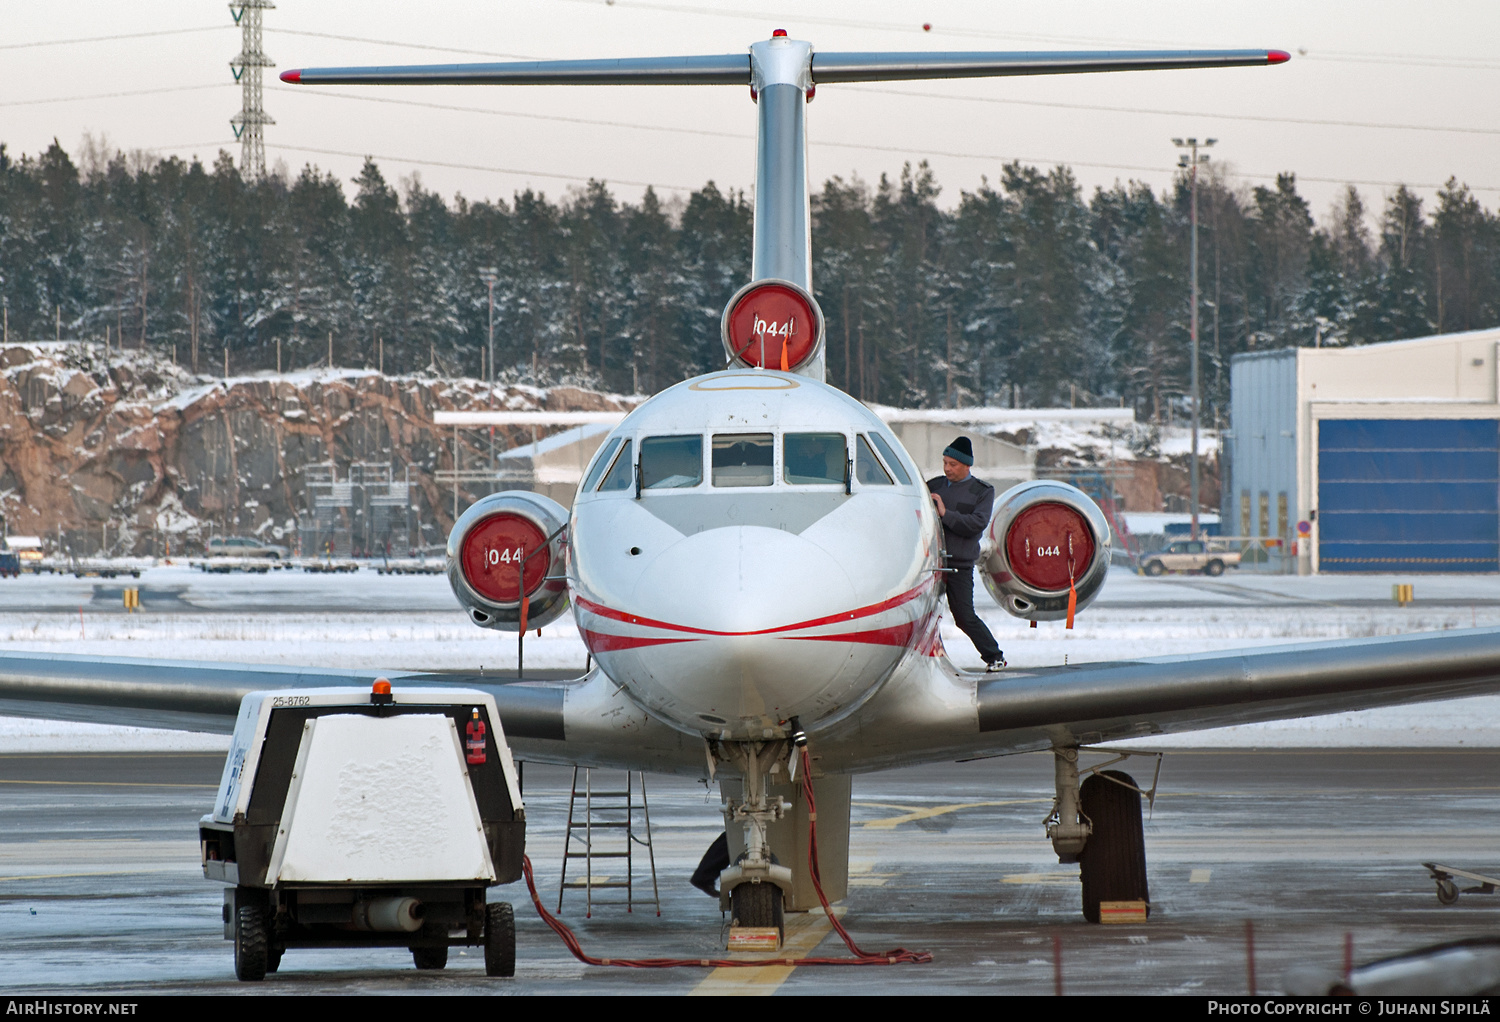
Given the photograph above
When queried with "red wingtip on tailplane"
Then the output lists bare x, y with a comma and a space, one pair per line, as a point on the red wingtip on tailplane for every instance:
1274, 57
295, 77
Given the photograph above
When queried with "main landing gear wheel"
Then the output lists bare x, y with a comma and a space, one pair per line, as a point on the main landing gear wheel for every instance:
757, 905
1113, 863
252, 942
1447, 892
499, 940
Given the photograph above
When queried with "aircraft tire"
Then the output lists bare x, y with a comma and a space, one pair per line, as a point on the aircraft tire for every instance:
499, 940
1113, 863
252, 943
757, 905
1447, 892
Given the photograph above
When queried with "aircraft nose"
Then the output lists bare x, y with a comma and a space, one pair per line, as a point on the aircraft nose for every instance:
743, 579
731, 661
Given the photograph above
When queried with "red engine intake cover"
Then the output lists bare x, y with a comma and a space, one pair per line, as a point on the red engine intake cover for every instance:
493, 553
773, 327
1048, 545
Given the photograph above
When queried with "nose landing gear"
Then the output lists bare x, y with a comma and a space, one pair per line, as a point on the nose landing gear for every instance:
754, 888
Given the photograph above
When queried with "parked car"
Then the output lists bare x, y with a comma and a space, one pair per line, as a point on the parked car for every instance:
1191, 555
241, 546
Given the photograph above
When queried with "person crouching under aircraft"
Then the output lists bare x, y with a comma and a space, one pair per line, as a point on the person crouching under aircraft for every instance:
964, 503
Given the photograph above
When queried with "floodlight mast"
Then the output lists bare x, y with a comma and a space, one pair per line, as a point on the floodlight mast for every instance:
782, 74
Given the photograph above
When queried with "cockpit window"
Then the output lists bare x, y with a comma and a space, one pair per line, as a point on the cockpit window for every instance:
813, 458
601, 463
622, 474
671, 462
743, 459
866, 468
892, 462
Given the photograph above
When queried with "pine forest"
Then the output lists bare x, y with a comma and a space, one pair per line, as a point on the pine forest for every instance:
1025, 291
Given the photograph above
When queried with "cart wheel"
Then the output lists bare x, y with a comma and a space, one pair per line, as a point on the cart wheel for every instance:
252, 943
499, 939
1447, 892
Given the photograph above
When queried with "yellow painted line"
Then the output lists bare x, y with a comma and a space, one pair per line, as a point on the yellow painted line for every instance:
116, 784
103, 873
926, 814
804, 932
1040, 878
867, 881
1200, 876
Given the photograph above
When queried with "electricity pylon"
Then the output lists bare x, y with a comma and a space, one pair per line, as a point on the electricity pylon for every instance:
249, 123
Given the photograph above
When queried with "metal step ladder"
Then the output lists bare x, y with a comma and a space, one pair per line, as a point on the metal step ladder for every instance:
603, 823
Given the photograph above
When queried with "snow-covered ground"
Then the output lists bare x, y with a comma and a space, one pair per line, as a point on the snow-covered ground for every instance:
370, 621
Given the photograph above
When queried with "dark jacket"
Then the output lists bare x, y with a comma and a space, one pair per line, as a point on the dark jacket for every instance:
969, 505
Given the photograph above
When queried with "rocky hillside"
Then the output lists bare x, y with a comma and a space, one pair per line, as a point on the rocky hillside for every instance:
127, 452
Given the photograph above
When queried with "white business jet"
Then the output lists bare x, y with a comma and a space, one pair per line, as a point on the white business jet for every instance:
753, 562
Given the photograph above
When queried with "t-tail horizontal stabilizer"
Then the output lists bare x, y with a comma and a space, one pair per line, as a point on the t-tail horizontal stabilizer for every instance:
734, 68
782, 74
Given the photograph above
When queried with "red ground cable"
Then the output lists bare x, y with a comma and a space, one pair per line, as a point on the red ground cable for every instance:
897, 956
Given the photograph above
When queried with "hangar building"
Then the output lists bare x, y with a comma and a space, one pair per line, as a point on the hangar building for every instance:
1389, 452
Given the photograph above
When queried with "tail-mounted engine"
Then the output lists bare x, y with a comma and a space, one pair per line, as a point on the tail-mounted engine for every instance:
1047, 545
505, 560
772, 324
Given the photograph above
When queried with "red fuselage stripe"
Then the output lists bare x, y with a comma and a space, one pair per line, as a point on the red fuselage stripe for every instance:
850, 615
897, 635
603, 642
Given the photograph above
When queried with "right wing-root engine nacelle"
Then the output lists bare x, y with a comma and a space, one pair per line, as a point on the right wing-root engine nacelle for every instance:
506, 560
1044, 538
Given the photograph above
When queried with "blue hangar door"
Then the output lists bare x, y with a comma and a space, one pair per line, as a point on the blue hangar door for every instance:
1409, 495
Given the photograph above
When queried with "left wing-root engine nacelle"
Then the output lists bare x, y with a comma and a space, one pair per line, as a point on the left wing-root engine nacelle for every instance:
506, 560
1044, 538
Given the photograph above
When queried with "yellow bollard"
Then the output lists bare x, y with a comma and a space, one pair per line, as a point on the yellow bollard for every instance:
1402, 593
132, 600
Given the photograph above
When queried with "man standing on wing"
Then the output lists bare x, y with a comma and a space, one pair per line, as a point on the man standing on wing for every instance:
964, 503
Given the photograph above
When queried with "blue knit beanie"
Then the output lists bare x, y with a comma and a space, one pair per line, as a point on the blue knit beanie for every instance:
960, 450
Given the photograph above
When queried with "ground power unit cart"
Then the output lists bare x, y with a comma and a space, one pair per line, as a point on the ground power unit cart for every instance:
354, 819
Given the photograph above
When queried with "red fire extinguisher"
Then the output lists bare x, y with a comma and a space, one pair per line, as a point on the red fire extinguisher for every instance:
475, 744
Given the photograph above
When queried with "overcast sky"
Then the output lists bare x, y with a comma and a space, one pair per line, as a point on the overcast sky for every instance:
1385, 92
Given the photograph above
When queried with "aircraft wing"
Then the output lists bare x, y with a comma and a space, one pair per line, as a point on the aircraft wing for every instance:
928, 712
933, 712
558, 719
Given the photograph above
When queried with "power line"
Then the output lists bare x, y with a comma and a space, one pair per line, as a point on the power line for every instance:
110, 38
916, 28
475, 166
394, 42
114, 95
1263, 118
1033, 160
819, 143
